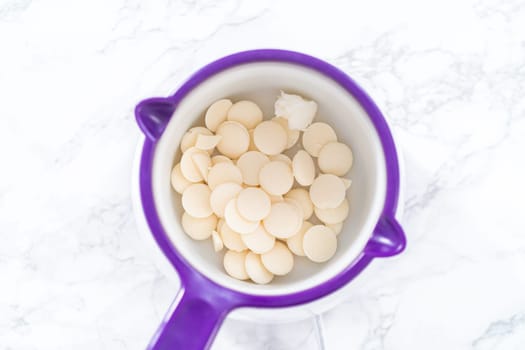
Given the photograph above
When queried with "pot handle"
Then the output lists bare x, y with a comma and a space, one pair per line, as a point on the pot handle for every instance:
152, 115
388, 238
192, 321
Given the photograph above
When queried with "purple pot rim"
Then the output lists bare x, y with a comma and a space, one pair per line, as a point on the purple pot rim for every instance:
192, 279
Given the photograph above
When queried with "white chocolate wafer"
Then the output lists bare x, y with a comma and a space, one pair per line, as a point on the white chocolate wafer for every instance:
347, 182
270, 137
207, 142
282, 158
196, 200
217, 241
235, 139
337, 228
327, 191
284, 221
303, 168
236, 221
202, 162
259, 241
293, 135
224, 172
217, 113
276, 178
221, 195
250, 164
335, 158
295, 243
302, 197
279, 260
178, 181
190, 137
256, 270
198, 228
319, 243
231, 239
220, 159
246, 113
234, 264
188, 167
253, 204
316, 136
333, 215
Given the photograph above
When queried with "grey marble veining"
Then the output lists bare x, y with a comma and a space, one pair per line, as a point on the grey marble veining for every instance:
449, 75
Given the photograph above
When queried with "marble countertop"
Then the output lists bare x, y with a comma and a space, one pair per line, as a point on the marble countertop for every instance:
450, 76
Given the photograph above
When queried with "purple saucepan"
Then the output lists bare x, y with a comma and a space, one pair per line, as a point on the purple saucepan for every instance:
207, 294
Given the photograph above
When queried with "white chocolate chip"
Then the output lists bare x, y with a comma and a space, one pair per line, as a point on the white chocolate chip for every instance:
187, 166
347, 182
190, 137
231, 239
198, 228
217, 241
316, 136
319, 243
259, 241
246, 113
202, 163
276, 178
295, 243
284, 221
282, 158
327, 191
178, 181
252, 146
250, 164
196, 201
224, 172
253, 204
302, 197
234, 264
220, 159
217, 113
335, 158
207, 142
236, 221
293, 135
256, 270
303, 168
235, 139
221, 195
279, 260
333, 215
270, 137
337, 228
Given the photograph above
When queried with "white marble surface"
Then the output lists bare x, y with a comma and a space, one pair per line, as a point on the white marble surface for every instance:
450, 75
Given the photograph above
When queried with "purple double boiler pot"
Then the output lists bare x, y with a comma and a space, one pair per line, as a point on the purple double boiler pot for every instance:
207, 294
